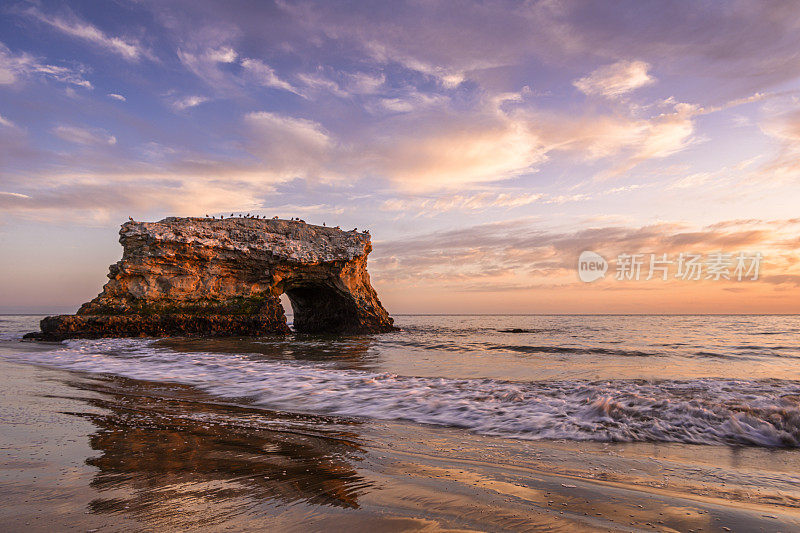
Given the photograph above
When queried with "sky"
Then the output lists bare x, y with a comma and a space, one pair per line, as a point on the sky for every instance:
484, 144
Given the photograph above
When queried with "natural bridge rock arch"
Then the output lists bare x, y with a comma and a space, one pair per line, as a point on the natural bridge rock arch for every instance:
334, 297
196, 276
321, 307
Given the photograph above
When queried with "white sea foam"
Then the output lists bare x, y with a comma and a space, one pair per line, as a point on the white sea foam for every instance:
702, 411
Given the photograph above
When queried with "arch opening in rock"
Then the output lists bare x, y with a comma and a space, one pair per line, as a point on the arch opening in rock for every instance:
287, 307
321, 308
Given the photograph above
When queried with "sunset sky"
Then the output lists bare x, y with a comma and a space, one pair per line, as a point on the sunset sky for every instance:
485, 145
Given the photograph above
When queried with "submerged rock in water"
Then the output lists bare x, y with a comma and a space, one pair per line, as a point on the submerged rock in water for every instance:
199, 276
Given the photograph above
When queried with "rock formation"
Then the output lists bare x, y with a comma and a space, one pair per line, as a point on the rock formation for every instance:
199, 276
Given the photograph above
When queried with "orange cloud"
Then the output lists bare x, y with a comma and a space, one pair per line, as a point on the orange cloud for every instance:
523, 263
612, 81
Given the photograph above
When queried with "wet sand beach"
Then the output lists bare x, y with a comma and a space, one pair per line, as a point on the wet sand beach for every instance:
89, 452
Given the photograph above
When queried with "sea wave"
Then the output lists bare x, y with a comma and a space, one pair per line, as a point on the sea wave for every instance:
698, 411
550, 349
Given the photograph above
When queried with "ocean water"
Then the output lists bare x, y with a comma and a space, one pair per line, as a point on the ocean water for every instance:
699, 380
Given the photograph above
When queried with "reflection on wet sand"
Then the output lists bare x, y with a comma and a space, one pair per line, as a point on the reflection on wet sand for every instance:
165, 455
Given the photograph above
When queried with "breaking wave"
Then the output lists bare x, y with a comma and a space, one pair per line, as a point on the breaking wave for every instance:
698, 411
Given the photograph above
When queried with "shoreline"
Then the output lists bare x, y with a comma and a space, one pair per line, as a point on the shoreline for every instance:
88, 451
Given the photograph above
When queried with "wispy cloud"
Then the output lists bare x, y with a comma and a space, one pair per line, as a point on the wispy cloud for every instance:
265, 75
616, 79
448, 150
129, 49
461, 256
15, 68
439, 147
205, 63
364, 82
480, 201
117, 97
291, 147
84, 136
448, 77
85, 200
5, 122
346, 84
783, 279
317, 81
185, 102
14, 195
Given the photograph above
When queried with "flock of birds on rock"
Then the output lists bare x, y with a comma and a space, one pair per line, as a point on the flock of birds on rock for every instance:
293, 219
239, 215
248, 215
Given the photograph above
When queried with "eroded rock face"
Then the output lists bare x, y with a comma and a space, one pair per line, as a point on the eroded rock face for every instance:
197, 276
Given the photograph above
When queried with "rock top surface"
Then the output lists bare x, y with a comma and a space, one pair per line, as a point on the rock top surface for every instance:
286, 239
